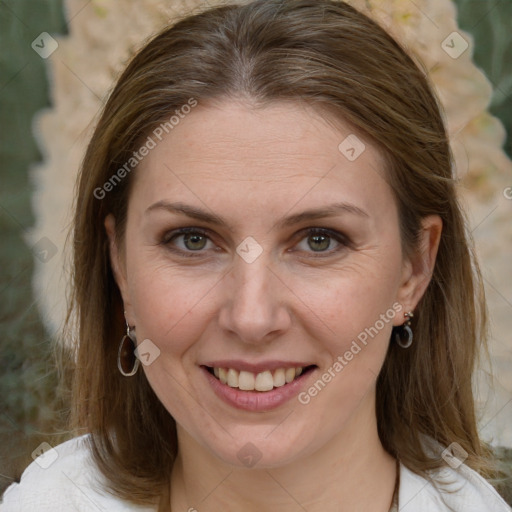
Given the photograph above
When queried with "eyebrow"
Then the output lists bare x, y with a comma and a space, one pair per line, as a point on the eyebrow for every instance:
330, 210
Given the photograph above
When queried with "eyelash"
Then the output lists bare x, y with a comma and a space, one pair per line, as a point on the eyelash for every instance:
308, 232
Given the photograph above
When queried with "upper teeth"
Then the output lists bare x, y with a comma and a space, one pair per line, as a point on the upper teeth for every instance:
263, 381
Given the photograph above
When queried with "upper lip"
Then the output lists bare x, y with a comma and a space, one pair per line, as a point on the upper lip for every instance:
238, 364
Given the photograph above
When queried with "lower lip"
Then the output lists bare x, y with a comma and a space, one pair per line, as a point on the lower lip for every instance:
258, 401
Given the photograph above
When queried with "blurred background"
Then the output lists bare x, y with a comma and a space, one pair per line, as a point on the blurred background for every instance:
34, 153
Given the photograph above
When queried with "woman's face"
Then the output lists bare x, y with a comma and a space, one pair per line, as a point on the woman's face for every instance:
293, 259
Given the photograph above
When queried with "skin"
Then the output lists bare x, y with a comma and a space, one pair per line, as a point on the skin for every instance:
252, 167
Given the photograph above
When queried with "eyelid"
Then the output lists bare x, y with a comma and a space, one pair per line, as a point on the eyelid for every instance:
338, 236
169, 235
333, 233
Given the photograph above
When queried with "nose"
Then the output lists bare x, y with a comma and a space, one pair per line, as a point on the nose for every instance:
256, 302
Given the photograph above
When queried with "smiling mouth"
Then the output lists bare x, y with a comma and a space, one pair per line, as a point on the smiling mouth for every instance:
262, 381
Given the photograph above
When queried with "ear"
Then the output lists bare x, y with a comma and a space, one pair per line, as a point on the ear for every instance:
118, 266
419, 266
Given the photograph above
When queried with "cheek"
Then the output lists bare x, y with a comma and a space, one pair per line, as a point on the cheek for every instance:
359, 309
171, 312
359, 314
361, 323
169, 306
354, 299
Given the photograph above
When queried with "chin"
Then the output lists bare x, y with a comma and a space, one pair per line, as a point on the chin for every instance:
259, 451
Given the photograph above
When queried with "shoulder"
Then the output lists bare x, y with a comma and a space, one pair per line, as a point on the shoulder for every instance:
63, 478
459, 489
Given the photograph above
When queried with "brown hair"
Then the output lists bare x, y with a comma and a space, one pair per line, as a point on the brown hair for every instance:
331, 56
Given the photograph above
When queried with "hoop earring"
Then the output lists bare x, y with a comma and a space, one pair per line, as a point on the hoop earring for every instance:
127, 362
403, 334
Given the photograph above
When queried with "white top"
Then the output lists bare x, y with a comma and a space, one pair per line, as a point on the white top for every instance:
65, 479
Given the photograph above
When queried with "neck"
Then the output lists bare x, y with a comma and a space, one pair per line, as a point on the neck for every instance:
351, 471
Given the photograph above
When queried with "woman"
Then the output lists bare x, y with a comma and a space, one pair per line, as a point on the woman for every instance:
266, 219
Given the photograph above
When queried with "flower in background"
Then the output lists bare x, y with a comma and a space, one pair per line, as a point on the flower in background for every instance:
477, 138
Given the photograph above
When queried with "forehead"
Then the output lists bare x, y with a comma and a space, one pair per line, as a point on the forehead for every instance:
269, 157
